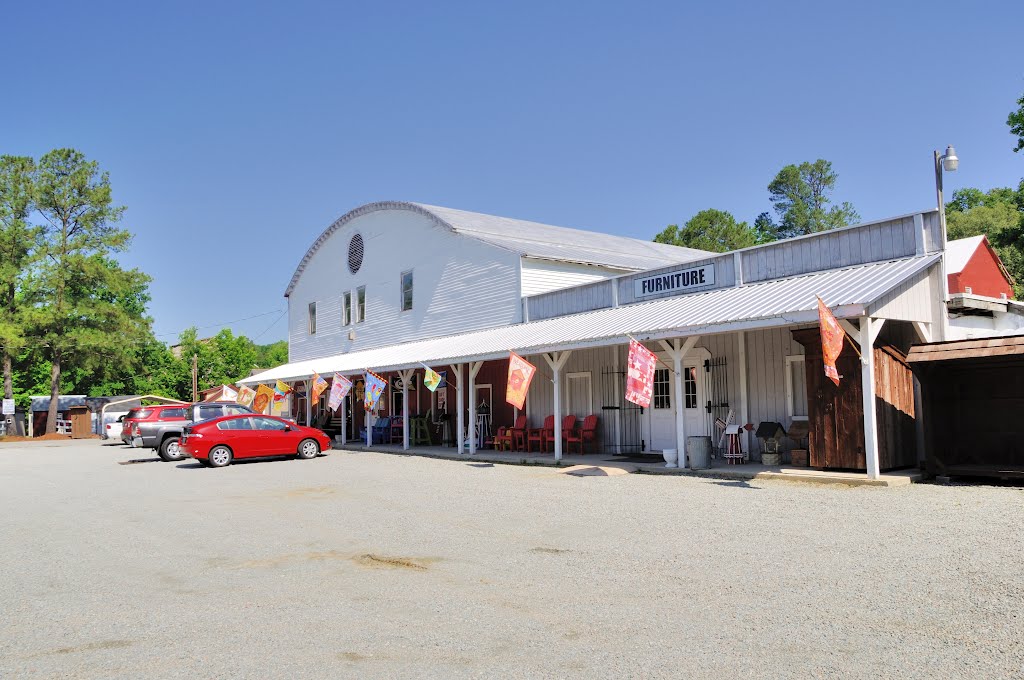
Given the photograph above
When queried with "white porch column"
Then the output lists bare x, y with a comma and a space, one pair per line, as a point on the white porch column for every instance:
344, 420
474, 368
741, 420
309, 403
460, 425
368, 420
406, 377
556, 360
678, 349
869, 329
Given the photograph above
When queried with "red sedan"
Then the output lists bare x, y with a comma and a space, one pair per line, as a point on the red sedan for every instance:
215, 443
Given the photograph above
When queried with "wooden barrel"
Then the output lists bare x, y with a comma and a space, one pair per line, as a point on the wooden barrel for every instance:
699, 451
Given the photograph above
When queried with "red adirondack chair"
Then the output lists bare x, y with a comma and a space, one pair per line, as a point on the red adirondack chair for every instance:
583, 435
542, 435
568, 423
510, 438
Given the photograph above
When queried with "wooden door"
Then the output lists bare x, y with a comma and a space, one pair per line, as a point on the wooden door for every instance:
834, 412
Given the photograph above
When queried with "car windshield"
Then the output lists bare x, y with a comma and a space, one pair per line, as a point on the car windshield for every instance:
208, 412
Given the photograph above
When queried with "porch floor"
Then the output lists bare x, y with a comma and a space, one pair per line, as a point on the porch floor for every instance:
718, 469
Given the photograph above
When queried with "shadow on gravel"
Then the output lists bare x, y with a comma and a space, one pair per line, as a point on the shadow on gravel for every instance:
738, 484
480, 465
133, 461
250, 461
190, 466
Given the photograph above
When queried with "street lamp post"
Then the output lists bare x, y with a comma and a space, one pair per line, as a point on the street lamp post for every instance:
948, 162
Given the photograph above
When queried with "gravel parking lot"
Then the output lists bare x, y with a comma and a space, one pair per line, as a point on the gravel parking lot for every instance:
377, 565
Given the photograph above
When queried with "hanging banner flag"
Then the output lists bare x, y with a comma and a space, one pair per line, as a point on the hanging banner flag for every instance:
281, 390
640, 374
520, 374
264, 395
374, 388
227, 394
340, 386
431, 379
245, 395
319, 385
832, 336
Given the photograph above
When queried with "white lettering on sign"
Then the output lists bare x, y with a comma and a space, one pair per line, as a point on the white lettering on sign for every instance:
674, 281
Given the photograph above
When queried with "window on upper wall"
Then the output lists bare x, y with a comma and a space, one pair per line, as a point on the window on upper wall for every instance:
346, 309
360, 304
312, 318
406, 291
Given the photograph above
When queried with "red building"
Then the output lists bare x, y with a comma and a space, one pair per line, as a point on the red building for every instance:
974, 268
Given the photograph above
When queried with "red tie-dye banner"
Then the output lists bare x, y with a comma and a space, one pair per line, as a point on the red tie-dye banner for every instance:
832, 336
640, 374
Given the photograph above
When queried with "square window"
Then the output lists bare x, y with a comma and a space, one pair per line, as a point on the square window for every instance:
360, 304
312, 318
662, 394
406, 289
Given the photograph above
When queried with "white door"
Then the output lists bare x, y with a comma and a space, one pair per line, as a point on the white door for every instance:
662, 414
694, 401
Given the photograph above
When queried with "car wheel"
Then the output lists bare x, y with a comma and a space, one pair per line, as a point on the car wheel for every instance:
308, 448
219, 456
170, 449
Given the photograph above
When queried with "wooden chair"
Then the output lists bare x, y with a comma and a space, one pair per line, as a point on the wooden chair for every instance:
542, 435
396, 430
518, 431
568, 423
503, 440
583, 435
381, 430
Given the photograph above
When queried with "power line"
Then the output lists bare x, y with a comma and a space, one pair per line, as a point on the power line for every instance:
225, 323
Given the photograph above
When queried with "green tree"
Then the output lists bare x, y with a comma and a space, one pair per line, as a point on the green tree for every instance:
74, 322
800, 195
1016, 122
714, 230
274, 354
999, 215
17, 238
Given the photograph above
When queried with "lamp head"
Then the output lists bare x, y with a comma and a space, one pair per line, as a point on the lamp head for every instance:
949, 160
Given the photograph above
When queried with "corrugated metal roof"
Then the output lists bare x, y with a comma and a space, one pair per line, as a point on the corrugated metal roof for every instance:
529, 239
544, 241
760, 305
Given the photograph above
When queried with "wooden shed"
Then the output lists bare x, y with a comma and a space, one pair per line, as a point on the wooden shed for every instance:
836, 412
972, 402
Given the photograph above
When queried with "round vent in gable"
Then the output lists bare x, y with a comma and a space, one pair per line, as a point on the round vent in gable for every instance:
355, 253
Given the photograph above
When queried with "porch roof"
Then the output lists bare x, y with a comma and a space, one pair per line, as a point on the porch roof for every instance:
848, 291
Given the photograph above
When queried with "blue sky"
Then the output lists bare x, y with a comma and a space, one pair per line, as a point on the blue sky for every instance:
236, 132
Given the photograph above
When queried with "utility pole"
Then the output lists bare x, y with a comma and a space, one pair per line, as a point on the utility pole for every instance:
195, 378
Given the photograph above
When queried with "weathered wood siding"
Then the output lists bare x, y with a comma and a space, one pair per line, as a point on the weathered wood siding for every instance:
459, 284
585, 298
875, 242
542, 276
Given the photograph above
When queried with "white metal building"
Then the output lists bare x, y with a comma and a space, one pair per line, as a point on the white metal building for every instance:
393, 286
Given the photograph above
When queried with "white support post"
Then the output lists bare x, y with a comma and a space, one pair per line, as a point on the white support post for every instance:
344, 420
406, 377
309, 403
742, 419
460, 424
474, 368
869, 329
678, 349
556, 361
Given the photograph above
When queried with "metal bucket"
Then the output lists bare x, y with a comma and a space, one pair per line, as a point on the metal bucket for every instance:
698, 449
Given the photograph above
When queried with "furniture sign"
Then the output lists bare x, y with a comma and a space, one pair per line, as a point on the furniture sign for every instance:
674, 282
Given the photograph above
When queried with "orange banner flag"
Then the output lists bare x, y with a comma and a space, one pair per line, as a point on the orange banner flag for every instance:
832, 336
520, 374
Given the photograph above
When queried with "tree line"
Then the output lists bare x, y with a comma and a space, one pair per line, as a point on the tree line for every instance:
801, 198
73, 320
